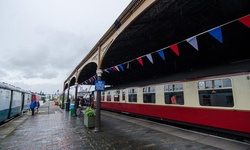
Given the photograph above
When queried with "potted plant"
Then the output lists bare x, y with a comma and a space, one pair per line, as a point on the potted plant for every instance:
89, 117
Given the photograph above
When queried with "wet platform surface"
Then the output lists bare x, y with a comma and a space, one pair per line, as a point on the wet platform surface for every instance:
57, 130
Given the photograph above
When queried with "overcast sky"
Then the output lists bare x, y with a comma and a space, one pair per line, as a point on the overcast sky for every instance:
42, 41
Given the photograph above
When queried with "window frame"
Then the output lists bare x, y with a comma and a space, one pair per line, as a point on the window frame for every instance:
174, 94
216, 95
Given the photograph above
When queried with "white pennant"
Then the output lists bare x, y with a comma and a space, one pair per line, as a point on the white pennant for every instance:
117, 68
149, 56
193, 41
128, 65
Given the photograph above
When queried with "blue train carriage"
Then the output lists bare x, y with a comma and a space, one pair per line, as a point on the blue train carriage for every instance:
26, 100
5, 100
16, 102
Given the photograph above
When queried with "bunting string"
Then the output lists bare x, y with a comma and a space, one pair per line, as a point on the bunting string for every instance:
214, 32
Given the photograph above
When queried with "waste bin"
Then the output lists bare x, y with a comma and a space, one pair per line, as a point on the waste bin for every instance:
72, 109
67, 106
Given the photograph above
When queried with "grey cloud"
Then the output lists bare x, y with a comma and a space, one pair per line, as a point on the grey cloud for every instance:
2, 74
42, 42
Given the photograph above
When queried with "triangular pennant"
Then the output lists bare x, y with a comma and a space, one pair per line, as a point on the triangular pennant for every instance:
174, 47
110, 69
121, 67
140, 61
245, 20
106, 70
193, 41
216, 33
116, 67
128, 65
149, 56
161, 53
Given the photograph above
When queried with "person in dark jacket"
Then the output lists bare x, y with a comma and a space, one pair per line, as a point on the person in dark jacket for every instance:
37, 105
32, 107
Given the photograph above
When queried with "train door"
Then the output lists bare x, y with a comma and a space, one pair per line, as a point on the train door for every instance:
26, 102
5, 100
16, 103
23, 101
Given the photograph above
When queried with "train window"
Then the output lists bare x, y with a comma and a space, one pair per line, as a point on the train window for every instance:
103, 96
108, 96
116, 95
201, 85
149, 94
178, 87
218, 93
123, 95
217, 83
208, 84
132, 91
132, 95
174, 94
173, 87
174, 98
223, 98
5, 99
227, 82
148, 89
7, 94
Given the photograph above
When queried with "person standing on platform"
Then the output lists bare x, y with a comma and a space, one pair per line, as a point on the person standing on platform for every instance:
32, 107
37, 105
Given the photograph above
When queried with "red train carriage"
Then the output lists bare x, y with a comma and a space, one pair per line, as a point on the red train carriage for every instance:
218, 102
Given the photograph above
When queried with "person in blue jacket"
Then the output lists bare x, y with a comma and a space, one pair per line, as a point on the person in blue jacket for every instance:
32, 107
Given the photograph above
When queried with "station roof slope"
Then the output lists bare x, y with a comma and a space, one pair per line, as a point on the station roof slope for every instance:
154, 45
172, 22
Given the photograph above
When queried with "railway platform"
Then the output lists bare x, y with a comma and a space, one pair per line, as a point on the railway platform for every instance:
55, 129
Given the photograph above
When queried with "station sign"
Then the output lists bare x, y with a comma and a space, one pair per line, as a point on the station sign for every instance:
99, 85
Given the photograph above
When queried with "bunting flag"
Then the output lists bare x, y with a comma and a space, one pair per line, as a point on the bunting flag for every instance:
161, 53
175, 48
193, 41
116, 67
140, 61
121, 67
110, 69
216, 33
245, 20
106, 70
113, 68
128, 65
149, 56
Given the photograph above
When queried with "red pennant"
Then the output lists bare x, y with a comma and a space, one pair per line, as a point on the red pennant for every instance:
245, 20
140, 61
174, 47
114, 68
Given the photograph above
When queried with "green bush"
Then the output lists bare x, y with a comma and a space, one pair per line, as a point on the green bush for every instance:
89, 112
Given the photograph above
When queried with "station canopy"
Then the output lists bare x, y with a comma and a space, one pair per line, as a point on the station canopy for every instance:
178, 40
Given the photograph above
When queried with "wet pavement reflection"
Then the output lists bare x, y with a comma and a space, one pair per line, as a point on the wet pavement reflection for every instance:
57, 130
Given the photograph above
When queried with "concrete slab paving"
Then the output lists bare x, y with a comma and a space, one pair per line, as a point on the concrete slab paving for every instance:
57, 130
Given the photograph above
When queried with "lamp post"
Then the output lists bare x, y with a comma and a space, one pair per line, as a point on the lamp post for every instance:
76, 99
98, 103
